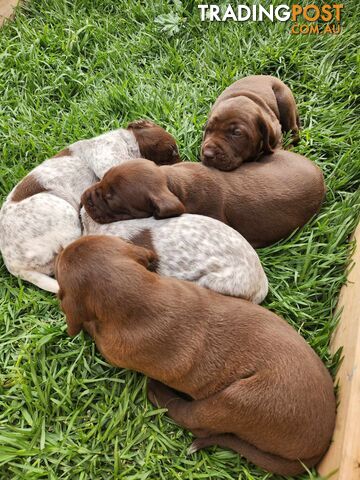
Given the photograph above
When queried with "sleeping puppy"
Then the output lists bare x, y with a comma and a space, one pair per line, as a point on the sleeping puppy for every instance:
254, 384
41, 214
264, 201
246, 121
195, 248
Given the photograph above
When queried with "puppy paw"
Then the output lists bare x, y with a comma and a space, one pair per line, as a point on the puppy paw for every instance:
193, 448
151, 387
159, 394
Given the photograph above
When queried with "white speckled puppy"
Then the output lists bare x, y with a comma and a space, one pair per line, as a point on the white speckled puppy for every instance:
195, 248
41, 214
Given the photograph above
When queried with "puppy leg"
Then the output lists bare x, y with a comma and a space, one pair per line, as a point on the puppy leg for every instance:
201, 417
33, 232
40, 280
267, 461
229, 281
224, 282
209, 421
289, 117
219, 413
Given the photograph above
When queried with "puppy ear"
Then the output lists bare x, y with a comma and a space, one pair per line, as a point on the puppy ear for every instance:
141, 123
166, 205
268, 135
145, 257
75, 314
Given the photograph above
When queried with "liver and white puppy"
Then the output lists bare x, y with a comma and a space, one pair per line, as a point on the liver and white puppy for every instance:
246, 121
255, 384
264, 201
41, 214
194, 248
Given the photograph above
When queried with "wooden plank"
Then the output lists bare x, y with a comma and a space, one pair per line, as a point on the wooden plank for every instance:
6, 9
342, 461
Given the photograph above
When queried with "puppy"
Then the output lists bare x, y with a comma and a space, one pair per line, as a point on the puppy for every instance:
254, 383
246, 121
41, 214
264, 201
195, 248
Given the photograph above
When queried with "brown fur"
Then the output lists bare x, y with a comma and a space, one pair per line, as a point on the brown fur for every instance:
144, 239
264, 201
28, 187
66, 152
255, 385
246, 121
164, 151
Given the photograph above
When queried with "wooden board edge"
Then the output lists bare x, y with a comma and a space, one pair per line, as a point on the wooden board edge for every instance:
342, 461
7, 9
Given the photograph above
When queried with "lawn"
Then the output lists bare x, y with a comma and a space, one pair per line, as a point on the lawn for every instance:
74, 69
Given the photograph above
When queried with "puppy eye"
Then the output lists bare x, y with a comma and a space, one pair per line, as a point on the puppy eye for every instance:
109, 194
236, 131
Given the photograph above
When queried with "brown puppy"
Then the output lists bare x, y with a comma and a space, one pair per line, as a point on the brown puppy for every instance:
154, 142
255, 384
264, 201
247, 120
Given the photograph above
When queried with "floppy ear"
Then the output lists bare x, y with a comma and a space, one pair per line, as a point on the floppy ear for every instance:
145, 257
166, 205
144, 134
141, 123
268, 135
75, 315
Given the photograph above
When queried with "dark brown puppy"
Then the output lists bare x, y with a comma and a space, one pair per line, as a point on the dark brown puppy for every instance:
154, 142
255, 385
264, 201
247, 120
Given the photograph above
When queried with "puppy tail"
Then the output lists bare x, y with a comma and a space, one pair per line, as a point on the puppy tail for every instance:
267, 461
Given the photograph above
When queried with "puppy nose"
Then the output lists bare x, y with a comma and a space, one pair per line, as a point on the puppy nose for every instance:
208, 153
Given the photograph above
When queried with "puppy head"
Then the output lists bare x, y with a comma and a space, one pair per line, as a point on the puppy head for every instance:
135, 189
154, 142
237, 131
90, 272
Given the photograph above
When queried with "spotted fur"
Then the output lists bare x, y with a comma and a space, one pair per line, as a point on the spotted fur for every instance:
41, 214
194, 248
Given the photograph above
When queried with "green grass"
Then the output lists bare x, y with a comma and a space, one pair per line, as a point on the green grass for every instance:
74, 69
